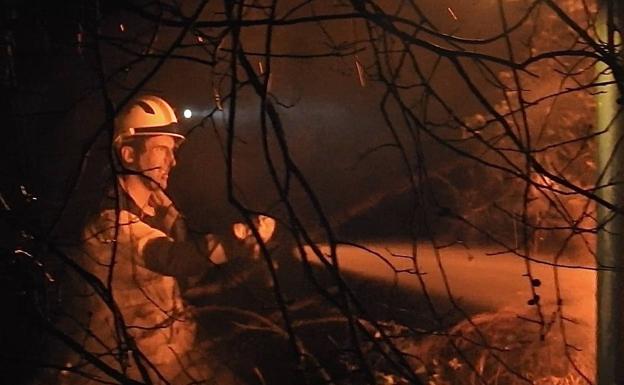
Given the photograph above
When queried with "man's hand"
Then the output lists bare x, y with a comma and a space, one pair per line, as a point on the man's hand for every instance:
264, 224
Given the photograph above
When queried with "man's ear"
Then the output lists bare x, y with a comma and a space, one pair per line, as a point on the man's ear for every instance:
127, 155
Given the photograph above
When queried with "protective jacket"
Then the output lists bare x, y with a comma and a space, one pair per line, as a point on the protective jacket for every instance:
135, 254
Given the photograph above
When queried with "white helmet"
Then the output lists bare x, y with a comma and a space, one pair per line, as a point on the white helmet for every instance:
147, 115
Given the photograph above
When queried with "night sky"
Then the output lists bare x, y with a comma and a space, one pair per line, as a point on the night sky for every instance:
330, 121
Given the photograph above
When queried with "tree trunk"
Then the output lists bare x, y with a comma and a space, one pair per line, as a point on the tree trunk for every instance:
610, 248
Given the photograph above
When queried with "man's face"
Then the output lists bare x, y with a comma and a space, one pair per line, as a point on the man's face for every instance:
156, 160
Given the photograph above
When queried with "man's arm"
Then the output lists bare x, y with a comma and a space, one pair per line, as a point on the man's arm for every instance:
182, 259
153, 249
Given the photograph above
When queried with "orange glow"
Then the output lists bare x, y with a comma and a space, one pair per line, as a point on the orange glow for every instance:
452, 13
68, 365
217, 99
361, 72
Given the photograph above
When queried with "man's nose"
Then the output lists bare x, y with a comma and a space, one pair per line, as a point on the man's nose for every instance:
168, 158
172, 160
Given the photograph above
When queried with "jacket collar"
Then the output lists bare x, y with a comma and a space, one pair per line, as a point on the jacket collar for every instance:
128, 200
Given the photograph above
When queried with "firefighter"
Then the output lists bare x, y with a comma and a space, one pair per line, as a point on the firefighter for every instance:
137, 247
